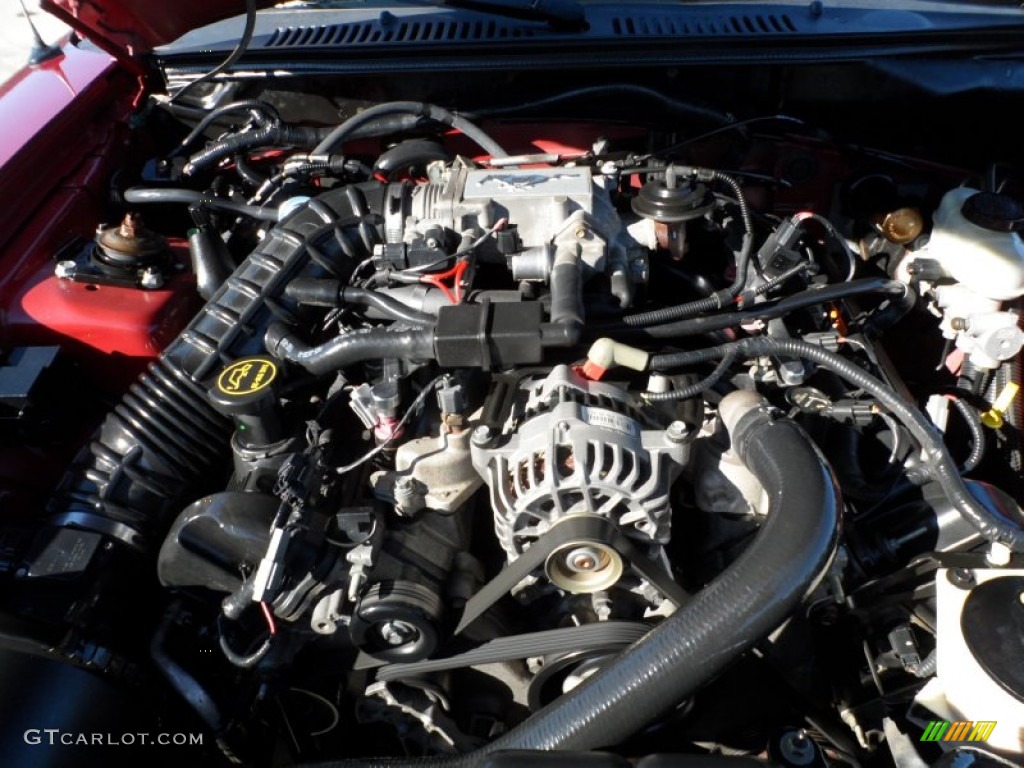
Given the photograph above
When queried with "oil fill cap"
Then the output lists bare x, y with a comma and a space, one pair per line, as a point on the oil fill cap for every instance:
244, 385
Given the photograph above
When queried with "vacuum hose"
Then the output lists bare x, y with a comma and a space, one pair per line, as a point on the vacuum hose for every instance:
350, 348
745, 603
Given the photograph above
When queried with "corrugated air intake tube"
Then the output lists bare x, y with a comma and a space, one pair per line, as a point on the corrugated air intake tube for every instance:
745, 603
159, 445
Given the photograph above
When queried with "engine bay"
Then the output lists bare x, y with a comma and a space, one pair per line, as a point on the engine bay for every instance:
426, 435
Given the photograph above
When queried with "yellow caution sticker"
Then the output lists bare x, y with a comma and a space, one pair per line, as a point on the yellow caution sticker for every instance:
244, 377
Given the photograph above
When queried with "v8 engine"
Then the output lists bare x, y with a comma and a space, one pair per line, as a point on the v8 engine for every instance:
473, 451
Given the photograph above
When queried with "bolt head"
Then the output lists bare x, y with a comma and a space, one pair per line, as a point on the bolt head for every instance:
397, 633
961, 578
583, 563
482, 435
677, 432
151, 279
65, 270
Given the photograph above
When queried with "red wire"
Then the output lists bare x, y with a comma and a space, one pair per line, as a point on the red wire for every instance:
269, 617
455, 272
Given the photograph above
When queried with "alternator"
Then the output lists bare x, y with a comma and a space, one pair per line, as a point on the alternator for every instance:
581, 448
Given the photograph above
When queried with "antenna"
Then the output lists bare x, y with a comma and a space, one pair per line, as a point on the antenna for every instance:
40, 50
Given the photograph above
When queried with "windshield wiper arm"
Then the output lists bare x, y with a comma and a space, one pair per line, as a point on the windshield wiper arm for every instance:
561, 14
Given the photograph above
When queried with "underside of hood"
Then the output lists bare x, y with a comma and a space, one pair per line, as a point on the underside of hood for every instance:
128, 28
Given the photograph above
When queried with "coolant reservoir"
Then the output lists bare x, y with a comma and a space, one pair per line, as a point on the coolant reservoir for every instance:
975, 237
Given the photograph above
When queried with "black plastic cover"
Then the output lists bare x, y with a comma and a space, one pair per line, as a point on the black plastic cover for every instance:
488, 335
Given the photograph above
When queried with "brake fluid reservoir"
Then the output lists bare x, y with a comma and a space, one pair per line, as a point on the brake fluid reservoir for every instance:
975, 237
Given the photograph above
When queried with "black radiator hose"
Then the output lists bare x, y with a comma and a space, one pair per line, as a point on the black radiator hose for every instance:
164, 442
752, 597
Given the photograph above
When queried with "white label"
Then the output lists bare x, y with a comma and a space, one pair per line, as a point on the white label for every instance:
599, 417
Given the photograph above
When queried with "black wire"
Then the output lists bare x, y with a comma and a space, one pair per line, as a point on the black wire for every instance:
726, 128
726, 120
696, 388
240, 660
768, 310
240, 48
973, 422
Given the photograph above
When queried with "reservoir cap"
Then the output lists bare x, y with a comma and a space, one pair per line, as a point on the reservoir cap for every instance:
995, 212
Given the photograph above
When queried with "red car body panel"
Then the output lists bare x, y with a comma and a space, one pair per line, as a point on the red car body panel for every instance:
128, 28
66, 126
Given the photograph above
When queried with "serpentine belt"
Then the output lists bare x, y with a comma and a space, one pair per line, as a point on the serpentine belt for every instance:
597, 636
571, 529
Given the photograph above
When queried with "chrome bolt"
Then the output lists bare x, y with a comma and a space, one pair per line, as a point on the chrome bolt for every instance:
65, 270
151, 279
583, 559
398, 632
481, 435
677, 431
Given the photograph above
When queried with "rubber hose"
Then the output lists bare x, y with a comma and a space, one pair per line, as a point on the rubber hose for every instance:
254, 106
164, 440
247, 173
147, 195
770, 310
333, 293
211, 261
742, 605
891, 313
179, 678
269, 136
346, 130
936, 463
350, 348
385, 304
277, 134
